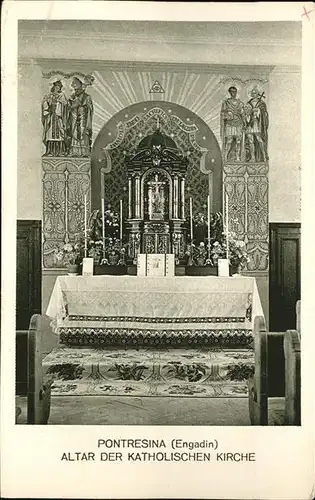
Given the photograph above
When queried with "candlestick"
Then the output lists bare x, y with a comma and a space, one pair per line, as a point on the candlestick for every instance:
85, 225
210, 188
227, 225
103, 226
191, 220
209, 218
121, 222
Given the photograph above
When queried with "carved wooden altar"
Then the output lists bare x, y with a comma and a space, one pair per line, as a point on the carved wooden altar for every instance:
156, 198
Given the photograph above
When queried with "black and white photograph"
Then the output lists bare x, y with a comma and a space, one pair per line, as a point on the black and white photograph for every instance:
178, 181
159, 235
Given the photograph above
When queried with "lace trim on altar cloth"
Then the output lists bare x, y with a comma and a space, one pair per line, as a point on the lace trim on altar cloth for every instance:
137, 337
145, 319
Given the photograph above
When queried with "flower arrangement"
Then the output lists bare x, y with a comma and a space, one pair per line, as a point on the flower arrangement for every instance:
238, 255
115, 253
95, 249
70, 253
197, 252
197, 255
114, 250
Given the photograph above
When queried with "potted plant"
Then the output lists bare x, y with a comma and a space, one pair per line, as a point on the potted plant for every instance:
70, 255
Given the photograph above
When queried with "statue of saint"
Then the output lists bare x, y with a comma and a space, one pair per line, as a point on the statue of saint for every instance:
80, 120
156, 199
54, 119
232, 126
257, 121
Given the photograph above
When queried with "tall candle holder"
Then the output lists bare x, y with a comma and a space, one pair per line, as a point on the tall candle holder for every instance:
191, 220
121, 222
209, 220
227, 225
85, 226
103, 226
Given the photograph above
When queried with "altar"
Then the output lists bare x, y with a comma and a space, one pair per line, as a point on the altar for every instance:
146, 311
156, 220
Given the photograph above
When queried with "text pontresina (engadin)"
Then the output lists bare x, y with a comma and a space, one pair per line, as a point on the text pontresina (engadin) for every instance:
131, 443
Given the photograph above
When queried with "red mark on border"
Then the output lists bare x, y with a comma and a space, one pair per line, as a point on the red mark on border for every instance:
306, 13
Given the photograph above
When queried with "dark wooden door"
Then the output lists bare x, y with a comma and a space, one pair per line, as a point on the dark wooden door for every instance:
28, 272
284, 275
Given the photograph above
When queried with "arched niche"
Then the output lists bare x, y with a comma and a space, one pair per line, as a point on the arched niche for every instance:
122, 134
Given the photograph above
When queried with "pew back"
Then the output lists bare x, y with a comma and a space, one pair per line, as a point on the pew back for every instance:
292, 352
258, 386
41, 340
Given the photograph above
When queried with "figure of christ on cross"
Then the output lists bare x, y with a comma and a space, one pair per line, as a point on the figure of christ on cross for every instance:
156, 199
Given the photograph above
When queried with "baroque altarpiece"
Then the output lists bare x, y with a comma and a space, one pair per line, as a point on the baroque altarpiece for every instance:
156, 198
155, 164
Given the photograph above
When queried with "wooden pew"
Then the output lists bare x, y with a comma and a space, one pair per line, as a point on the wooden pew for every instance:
41, 340
258, 384
292, 352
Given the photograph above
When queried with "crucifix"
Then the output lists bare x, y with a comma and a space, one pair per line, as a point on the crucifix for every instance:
156, 198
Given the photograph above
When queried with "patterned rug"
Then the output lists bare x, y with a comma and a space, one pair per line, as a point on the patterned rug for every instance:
209, 372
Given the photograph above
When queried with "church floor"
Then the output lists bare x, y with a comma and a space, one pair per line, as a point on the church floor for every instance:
108, 410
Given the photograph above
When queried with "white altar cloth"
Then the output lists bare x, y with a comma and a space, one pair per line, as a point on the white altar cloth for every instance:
136, 307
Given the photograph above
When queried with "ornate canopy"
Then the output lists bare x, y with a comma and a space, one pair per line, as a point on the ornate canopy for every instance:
157, 150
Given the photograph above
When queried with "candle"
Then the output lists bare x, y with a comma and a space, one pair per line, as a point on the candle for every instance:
191, 220
210, 188
103, 225
85, 225
121, 222
227, 224
209, 218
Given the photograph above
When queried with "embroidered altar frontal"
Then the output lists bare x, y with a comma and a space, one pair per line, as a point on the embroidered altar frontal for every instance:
171, 311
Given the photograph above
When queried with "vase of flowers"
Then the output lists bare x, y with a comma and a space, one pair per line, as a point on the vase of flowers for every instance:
198, 262
73, 269
237, 254
70, 255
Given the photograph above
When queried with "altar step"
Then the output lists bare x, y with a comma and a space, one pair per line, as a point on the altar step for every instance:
212, 372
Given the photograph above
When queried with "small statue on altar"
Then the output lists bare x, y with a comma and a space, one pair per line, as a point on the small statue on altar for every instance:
156, 199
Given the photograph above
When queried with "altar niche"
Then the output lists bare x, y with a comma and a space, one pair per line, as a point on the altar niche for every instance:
156, 198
